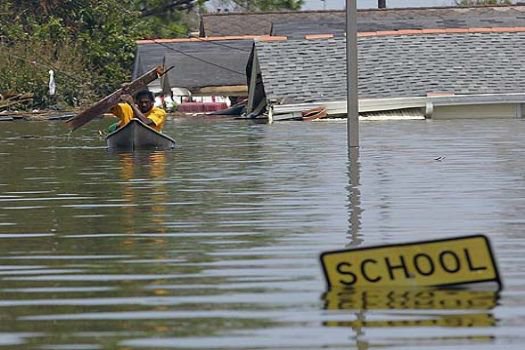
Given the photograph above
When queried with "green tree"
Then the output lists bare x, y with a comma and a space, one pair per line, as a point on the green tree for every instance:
168, 18
267, 5
90, 44
273, 5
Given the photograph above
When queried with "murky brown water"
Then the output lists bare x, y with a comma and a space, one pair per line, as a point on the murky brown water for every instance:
216, 245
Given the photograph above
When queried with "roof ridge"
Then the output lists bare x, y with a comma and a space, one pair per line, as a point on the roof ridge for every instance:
201, 39
331, 35
392, 9
405, 32
442, 31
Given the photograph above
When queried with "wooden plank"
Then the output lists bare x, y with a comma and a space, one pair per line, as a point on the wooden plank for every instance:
314, 113
253, 83
109, 101
14, 100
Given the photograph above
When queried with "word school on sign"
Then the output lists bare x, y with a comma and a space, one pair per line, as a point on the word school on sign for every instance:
432, 263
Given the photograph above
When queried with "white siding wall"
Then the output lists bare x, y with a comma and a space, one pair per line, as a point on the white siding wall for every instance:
496, 111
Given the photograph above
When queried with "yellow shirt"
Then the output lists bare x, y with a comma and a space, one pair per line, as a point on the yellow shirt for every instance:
124, 112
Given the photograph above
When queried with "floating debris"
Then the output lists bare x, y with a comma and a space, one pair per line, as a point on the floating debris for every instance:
7, 101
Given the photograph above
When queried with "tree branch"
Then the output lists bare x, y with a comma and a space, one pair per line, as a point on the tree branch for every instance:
178, 5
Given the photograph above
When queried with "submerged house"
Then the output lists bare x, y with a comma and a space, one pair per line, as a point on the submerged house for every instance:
413, 62
201, 66
430, 73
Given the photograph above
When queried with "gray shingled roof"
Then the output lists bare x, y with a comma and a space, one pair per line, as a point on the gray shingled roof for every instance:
394, 66
368, 20
197, 64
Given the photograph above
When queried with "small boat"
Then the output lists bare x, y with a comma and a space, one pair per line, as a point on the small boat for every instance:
138, 136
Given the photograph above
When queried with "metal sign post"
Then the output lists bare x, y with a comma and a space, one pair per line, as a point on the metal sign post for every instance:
351, 74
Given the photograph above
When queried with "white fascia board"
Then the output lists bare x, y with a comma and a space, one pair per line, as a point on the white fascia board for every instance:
386, 104
457, 100
365, 105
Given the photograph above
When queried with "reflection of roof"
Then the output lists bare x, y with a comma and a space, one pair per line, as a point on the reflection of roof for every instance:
260, 23
197, 63
393, 65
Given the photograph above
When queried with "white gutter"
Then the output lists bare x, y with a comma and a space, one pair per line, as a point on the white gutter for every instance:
457, 100
385, 104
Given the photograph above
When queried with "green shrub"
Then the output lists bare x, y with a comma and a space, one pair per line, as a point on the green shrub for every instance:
25, 68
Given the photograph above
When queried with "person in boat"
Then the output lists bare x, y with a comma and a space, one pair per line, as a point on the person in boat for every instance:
141, 108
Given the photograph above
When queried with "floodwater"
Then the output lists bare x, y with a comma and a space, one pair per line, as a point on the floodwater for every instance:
216, 244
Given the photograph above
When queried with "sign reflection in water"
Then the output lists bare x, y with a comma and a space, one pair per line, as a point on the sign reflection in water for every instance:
365, 310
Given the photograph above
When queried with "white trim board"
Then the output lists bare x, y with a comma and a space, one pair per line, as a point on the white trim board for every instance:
385, 104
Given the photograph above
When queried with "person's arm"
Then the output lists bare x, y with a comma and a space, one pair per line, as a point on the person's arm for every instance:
136, 112
123, 112
116, 110
158, 117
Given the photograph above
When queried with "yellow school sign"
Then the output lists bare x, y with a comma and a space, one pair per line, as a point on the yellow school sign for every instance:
446, 262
